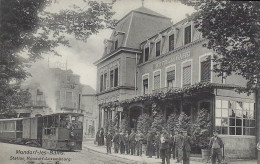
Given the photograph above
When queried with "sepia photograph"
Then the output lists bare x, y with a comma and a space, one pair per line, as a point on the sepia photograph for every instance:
129, 82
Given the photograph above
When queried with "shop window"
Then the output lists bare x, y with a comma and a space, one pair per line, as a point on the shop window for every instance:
187, 75
101, 83
146, 54
205, 71
171, 79
187, 35
233, 117
171, 42
145, 86
158, 48
156, 82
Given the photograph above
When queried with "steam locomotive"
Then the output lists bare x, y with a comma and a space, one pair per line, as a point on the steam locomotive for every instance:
60, 131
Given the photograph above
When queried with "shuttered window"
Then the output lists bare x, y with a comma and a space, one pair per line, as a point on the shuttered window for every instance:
187, 75
170, 78
145, 86
146, 54
158, 48
205, 71
187, 35
156, 82
171, 42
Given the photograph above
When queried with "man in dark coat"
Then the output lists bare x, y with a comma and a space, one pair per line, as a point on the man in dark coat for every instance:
132, 142
150, 139
122, 142
101, 137
109, 139
127, 144
186, 148
178, 146
139, 142
97, 137
116, 142
157, 144
216, 144
164, 147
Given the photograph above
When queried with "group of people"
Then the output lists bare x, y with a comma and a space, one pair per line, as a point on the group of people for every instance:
162, 145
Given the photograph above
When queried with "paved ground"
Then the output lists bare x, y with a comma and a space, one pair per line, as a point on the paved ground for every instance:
91, 154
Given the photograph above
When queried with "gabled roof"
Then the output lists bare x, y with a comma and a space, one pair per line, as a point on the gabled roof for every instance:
150, 12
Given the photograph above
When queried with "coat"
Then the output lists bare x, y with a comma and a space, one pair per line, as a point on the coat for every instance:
186, 144
219, 140
164, 141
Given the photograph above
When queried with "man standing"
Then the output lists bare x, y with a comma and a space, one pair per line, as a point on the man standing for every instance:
126, 136
216, 144
186, 148
139, 139
122, 142
116, 142
150, 138
132, 142
164, 147
157, 144
109, 139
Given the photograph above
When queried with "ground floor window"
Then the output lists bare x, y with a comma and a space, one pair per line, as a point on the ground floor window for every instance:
235, 117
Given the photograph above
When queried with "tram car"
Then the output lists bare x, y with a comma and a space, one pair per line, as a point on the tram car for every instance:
60, 131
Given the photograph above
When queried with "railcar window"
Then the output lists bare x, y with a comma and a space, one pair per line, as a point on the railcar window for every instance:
65, 121
77, 122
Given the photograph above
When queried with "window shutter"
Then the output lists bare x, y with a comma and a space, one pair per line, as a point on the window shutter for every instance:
157, 81
146, 52
171, 75
205, 71
145, 82
171, 42
158, 48
186, 75
187, 37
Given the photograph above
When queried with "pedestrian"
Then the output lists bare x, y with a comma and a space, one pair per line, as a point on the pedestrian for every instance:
109, 139
178, 145
164, 147
127, 144
175, 150
150, 139
216, 145
116, 142
171, 144
186, 148
157, 144
139, 142
132, 142
101, 137
97, 137
122, 142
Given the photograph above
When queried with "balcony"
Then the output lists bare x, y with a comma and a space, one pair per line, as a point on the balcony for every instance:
165, 89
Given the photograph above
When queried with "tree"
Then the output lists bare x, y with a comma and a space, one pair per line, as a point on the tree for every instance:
144, 123
26, 27
172, 122
158, 123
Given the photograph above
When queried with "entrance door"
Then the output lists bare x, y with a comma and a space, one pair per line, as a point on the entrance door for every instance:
134, 113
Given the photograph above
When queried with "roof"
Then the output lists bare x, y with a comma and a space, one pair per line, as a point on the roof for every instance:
150, 12
88, 90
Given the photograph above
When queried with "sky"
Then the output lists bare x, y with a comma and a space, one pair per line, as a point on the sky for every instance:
80, 56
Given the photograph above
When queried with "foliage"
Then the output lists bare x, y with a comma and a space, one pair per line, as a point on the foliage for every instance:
144, 123
125, 126
201, 129
27, 28
184, 122
111, 125
172, 122
158, 123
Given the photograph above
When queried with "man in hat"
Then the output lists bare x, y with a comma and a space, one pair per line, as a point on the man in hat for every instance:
109, 139
216, 144
150, 139
164, 147
139, 142
116, 142
122, 142
157, 144
132, 141
186, 148
178, 146
127, 144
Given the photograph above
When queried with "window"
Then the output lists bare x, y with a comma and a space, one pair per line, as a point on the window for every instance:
116, 44
69, 102
111, 78
105, 81
145, 86
116, 78
101, 83
158, 48
187, 75
171, 42
235, 117
156, 81
205, 71
170, 79
187, 35
146, 54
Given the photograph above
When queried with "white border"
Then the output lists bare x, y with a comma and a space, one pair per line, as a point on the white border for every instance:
158, 70
174, 66
146, 74
189, 60
211, 66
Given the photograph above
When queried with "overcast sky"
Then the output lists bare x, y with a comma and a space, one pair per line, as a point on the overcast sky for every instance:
81, 56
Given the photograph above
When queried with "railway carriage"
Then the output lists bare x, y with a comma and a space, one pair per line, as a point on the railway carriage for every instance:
60, 131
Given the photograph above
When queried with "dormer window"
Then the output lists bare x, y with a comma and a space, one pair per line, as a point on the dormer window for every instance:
116, 44
146, 54
171, 42
187, 35
158, 48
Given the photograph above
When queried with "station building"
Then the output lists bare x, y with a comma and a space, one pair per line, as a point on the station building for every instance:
148, 56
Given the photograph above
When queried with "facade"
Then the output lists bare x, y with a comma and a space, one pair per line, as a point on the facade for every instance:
155, 57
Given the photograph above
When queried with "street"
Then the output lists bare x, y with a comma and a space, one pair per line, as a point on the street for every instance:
20, 154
